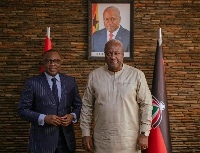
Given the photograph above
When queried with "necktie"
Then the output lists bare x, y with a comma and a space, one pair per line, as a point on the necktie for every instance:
55, 90
111, 35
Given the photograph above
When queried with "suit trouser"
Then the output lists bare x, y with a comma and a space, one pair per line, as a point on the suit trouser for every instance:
62, 144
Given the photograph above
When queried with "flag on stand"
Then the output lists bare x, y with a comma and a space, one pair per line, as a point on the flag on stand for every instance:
159, 140
95, 18
47, 45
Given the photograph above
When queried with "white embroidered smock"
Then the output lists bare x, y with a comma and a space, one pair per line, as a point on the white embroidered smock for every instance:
122, 107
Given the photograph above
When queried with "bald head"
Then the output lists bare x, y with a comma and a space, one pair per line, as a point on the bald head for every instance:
114, 55
113, 9
114, 42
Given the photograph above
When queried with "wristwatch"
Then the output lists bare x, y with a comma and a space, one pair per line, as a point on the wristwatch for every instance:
146, 133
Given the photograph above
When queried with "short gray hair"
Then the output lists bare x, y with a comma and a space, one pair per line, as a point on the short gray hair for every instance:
112, 8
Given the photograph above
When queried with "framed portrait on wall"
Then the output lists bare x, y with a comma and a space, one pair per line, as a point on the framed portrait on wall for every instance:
110, 19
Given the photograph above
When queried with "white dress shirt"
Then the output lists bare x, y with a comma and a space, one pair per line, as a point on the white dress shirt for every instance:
58, 83
114, 34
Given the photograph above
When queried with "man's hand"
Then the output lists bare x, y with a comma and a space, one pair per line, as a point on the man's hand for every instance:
142, 142
52, 119
87, 143
67, 119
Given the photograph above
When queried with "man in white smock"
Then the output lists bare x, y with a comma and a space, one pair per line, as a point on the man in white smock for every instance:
122, 104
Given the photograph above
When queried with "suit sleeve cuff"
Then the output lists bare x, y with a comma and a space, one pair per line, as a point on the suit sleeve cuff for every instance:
41, 119
74, 119
85, 132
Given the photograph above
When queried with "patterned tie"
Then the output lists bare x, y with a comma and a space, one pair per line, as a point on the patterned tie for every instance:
55, 90
111, 35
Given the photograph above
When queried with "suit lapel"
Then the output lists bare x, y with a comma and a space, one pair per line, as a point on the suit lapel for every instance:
63, 81
120, 34
46, 86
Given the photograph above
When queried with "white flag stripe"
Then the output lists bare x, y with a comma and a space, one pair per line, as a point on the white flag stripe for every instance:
154, 115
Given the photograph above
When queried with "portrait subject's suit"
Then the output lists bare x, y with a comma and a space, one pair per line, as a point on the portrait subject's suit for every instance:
37, 98
99, 39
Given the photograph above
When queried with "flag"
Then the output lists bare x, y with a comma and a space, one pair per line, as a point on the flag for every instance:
47, 45
159, 140
95, 18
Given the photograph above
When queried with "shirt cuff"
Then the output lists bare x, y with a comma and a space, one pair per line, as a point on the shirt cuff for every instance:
41, 119
85, 132
74, 119
145, 127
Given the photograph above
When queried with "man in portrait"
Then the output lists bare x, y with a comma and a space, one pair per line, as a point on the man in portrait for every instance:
112, 30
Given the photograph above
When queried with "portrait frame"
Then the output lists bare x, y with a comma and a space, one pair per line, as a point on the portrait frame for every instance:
129, 56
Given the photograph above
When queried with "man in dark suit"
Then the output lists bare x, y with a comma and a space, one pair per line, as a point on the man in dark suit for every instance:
112, 30
46, 103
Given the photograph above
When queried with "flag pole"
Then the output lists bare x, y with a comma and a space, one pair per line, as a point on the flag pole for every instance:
159, 140
48, 44
48, 32
159, 37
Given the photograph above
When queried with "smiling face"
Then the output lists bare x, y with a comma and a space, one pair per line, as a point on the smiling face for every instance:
114, 55
111, 19
50, 66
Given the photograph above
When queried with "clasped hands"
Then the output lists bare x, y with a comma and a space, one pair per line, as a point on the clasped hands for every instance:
55, 120
142, 143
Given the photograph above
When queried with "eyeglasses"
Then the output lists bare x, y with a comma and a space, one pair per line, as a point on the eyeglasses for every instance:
56, 61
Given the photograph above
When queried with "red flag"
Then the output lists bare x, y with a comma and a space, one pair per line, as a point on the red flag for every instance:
47, 45
159, 140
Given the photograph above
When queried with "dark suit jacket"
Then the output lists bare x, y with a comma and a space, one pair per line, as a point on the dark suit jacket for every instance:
99, 39
36, 99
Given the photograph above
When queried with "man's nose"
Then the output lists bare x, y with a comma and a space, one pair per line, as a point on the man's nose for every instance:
52, 63
109, 21
112, 56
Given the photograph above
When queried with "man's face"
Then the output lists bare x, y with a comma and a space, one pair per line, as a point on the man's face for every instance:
52, 63
114, 55
111, 20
